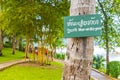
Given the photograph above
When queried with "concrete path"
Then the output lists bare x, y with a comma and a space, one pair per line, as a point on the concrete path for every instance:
8, 64
97, 76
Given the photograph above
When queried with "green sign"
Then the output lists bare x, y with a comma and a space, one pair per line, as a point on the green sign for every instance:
82, 26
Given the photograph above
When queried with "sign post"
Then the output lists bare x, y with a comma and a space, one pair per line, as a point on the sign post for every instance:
82, 26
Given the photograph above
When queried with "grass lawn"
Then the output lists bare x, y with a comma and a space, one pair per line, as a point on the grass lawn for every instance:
7, 55
32, 71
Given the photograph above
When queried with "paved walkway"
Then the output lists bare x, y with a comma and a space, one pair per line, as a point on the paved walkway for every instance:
100, 76
8, 64
95, 74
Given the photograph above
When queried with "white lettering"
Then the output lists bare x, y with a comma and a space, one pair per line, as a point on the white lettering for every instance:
82, 23
71, 30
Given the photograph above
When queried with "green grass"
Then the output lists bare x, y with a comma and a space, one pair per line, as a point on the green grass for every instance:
31, 71
7, 55
91, 79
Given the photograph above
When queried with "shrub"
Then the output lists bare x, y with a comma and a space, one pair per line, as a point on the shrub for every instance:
57, 56
60, 56
98, 61
114, 68
63, 56
7, 45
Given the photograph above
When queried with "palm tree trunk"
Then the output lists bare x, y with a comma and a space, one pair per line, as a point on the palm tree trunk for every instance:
79, 50
1, 43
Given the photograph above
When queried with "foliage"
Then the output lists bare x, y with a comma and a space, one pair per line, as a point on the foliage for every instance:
103, 70
98, 61
114, 68
110, 19
7, 45
25, 12
30, 71
91, 79
60, 43
20, 18
60, 56
8, 57
110, 30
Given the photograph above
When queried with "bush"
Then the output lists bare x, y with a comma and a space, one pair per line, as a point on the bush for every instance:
7, 45
60, 56
114, 68
63, 56
102, 70
98, 62
57, 56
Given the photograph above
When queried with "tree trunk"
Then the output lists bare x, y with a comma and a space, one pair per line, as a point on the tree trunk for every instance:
106, 35
78, 62
107, 59
107, 46
13, 44
20, 44
27, 48
1, 43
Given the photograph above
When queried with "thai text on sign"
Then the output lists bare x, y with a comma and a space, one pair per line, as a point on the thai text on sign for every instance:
82, 26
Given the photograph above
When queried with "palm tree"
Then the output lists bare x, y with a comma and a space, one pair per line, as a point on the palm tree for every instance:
79, 50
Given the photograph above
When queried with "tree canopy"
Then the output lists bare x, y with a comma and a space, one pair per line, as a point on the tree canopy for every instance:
35, 20
21, 17
109, 11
